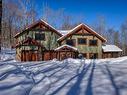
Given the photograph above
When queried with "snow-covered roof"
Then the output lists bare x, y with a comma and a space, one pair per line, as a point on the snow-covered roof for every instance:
82, 24
66, 46
69, 31
63, 32
111, 48
36, 22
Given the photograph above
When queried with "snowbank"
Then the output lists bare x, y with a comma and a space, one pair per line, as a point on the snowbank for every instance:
7, 54
67, 77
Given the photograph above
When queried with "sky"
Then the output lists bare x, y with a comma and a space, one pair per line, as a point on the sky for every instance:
114, 11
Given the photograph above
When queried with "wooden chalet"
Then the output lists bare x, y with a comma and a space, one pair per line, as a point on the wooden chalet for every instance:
40, 41
37, 40
87, 41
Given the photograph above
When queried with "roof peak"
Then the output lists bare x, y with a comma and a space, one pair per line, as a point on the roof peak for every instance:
79, 26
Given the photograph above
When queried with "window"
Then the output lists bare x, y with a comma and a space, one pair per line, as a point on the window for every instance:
93, 55
39, 36
81, 40
70, 42
93, 42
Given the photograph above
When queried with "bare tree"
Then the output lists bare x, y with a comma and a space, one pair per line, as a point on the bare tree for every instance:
116, 38
28, 12
66, 24
54, 17
99, 25
58, 18
15, 16
124, 37
110, 35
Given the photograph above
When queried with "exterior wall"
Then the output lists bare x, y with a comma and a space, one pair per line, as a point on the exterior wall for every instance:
18, 54
110, 54
49, 43
86, 48
61, 55
50, 38
25, 53
21, 48
30, 56
49, 55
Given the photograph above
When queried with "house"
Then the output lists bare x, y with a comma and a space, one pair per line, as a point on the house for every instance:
87, 41
41, 41
35, 40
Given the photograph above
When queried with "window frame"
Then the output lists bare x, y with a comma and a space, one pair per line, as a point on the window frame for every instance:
93, 44
82, 43
40, 35
74, 41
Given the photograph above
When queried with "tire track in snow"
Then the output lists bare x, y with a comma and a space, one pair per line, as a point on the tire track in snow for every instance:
81, 71
111, 87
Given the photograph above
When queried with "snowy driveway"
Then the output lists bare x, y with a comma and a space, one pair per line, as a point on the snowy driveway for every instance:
69, 77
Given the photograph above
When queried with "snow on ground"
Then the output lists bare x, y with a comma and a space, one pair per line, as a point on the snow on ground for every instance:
67, 77
7, 54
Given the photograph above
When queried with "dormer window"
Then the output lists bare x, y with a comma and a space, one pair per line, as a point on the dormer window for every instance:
39, 36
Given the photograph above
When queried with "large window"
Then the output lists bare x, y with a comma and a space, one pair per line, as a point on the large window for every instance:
39, 36
93, 42
70, 42
82, 41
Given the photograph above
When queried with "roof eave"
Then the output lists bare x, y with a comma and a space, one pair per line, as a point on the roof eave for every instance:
40, 20
112, 51
69, 33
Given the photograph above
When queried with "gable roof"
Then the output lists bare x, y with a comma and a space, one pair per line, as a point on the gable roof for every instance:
35, 23
66, 46
111, 48
82, 26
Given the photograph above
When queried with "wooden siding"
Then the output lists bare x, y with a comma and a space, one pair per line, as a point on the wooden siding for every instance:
34, 52
49, 43
51, 38
61, 55
110, 54
86, 48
